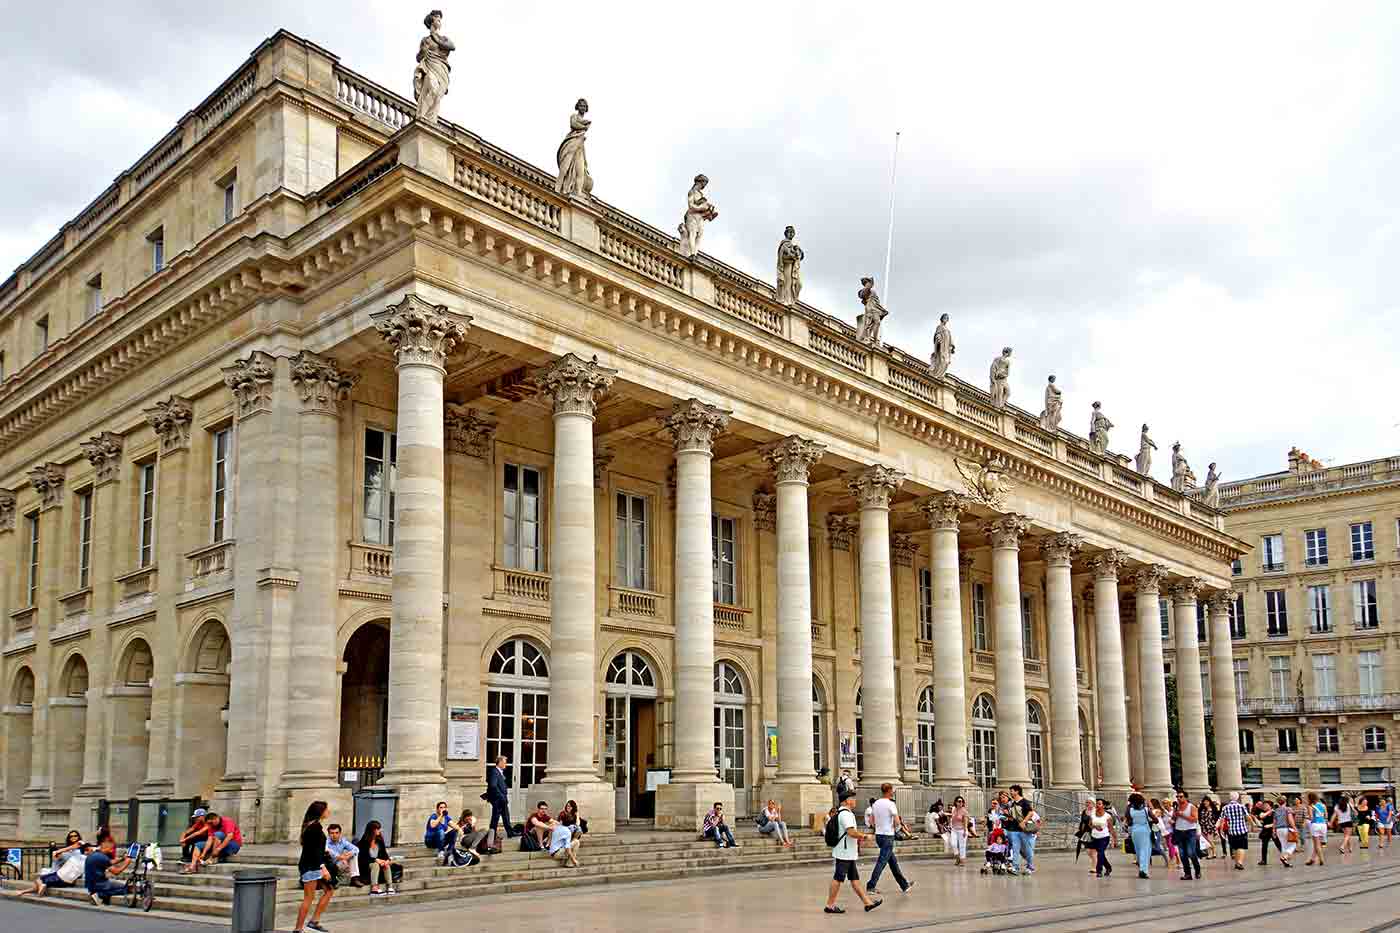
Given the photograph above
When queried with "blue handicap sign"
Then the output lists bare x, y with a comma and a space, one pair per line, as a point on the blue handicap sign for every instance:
12, 857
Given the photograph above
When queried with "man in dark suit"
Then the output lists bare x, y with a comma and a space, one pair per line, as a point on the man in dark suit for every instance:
498, 796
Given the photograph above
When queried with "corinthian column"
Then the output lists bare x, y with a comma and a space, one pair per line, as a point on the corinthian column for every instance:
313, 734
944, 512
1013, 762
1224, 711
872, 489
1156, 754
1059, 551
422, 337
1113, 709
694, 784
1190, 705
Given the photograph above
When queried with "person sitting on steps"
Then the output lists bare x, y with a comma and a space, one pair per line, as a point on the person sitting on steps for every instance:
376, 864
537, 829
714, 828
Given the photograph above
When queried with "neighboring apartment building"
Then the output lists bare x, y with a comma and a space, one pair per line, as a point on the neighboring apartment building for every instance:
1316, 622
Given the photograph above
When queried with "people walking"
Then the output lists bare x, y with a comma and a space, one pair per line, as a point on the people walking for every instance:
887, 821
1139, 821
1103, 833
1317, 829
1186, 834
960, 827
1364, 816
843, 854
311, 867
1266, 820
1385, 822
1207, 827
1234, 818
1285, 831
1343, 820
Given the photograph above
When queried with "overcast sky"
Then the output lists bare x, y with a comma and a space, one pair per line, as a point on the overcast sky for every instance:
1191, 217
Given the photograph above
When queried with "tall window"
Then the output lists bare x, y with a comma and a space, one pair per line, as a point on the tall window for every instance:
228, 189
1319, 605
1276, 610
1029, 648
819, 712
925, 604
1280, 676
1315, 547
157, 240
1368, 671
926, 742
1373, 739
2, 365
84, 539
1241, 666
979, 618
1364, 613
381, 482
1236, 567
984, 741
1328, 741
1363, 543
1324, 675
1272, 556
41, 335
1247, 741
1202, 628
1035, 742
31, 524
725, 565
94, 297
730, 743
220, 485
517, 710
147, 510
1288, 741
630, 532
1237, 616
1164, 616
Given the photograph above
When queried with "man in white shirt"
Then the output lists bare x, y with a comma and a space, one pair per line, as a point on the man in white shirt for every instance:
843, 855
887, 820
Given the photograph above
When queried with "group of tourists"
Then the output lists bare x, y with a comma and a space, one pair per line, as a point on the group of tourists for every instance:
96, 866
844, 835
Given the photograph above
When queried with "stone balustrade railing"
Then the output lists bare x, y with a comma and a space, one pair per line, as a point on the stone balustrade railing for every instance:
209, 561
1034, 667
521, 584
730, 617
363, 95
1384, 469
629, 602
925, 650
371, 561
819, 635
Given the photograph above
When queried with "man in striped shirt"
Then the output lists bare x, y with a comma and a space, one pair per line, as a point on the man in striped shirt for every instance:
1236, 819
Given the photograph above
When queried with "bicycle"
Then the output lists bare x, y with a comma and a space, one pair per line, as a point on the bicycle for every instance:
139, 887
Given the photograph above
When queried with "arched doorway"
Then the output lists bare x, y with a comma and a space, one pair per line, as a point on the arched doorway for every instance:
131, 713
629, 750
364, 698
731, 699
819, 732
517, 714
201, 702
1035, 742
1086, 743
860, 734
19, 729
68, 726
927, 765
984, 741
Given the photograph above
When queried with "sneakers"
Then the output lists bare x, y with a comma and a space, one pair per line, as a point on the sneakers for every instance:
833, 910
392, 892
314, 925
873, 904
377, 893
908, 887
96, 901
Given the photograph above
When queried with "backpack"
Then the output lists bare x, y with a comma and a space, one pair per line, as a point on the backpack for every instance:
832, 833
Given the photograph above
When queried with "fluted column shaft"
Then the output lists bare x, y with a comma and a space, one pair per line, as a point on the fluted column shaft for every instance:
1224, 708
1066, 770
879, 707
1190, 705
949, 683
1013, 763
1113, 710
1152, 687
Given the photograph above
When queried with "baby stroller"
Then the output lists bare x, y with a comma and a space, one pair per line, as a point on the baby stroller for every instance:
998, 854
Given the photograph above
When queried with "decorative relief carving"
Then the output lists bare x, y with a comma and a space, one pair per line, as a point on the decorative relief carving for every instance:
420, 333
765, 511
321, 383
104, 452
1061, 547
1220, 601
250, 380
1187, 590
1006, 530
575, 384
601, 460
694, 425
7, 510
987, 483
875, 485
171, 421
965, 562
1107, 564
945, 510
468, 431
1089, 600
47, 480
902, 550
1149, 579
792, 458
840, 531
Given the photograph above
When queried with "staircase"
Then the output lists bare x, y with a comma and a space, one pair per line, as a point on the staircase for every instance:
620, 858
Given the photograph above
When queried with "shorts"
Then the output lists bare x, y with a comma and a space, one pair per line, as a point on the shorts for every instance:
228, 851
1318, 830
309, 876
846, 870
1239, 842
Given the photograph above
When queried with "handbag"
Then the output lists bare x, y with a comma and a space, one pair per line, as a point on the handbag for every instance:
1128, 846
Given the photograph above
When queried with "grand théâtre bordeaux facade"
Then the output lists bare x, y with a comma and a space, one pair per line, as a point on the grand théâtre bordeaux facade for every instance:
322, 422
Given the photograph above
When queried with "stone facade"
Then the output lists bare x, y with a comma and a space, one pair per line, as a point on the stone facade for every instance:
404, 432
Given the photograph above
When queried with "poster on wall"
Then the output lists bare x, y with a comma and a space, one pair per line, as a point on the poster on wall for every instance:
770, 743
848, 750
463, 733
911, 758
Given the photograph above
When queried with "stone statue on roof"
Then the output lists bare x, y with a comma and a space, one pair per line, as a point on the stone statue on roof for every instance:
943, 349
432, 73
790, 258
868, 322
698, 211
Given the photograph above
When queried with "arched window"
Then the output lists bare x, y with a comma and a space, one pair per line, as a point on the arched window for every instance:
75, 677
629, 727
24, 688
925, 736
1374, 739
819, 714
630, 669
517, 710
730, 734
1035, 742
136, 669
1247, 741
1090, 778
984, 741
860, 734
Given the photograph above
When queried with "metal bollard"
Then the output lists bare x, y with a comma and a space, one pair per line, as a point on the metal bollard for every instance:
254, 900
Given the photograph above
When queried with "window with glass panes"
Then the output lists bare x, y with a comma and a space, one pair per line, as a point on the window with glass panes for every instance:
1247, 741
1368, 673
730, 743
1237, 616
1324, 675
1329, 775
818, 726
146, 530
1290, 775
31, 579
1271, 556
1035, 742
1164, 616
1363, 543
521, 509
1029, 649
630, 533
1328, 740
926, 736
1315, 547
1288, 740
1276, 611
380, 483
517, 711
1280, 677
1364, 612
984, 742
223, 452
722, 543
1373, 739
1241, 666
979, 617
925, 604
84, 538
1202, 623
1319, 606
1236, 567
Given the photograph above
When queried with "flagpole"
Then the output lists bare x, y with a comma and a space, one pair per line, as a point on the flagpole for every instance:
889, 237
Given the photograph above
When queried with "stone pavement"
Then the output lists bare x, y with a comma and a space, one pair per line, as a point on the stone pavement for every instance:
23, 917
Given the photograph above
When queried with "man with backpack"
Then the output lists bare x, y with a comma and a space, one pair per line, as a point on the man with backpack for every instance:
844, 838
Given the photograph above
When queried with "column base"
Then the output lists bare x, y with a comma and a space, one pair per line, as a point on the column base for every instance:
238, 796
30, 828
294, 796
801, 802
597, 801
683, 806
156, 789
82, 813
417, 800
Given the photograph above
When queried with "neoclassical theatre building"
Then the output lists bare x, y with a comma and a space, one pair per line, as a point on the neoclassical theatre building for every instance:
334, 439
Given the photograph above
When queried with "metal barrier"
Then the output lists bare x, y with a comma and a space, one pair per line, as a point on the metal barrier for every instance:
29, 861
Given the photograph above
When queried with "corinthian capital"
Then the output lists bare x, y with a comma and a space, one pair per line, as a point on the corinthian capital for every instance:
840, 530
47, 480
1060, 548
421, 334
1149, 579
945, 510
104, 452
7, 510
1006, 530
171, 421
902, 550
1186, 591
694, 425
250, 381
792, 458
1220, 601
575, 384
468, 431
874, 486
1107, 564
321, 383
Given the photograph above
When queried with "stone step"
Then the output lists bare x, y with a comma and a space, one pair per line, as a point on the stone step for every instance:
168, 904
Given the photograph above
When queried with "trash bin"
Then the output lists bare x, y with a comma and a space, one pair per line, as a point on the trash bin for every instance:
254, 900
377, 803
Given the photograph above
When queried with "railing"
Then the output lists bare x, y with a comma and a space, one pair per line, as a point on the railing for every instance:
984, 660
975, 410
745, 308
1270, 706
1034, 666
1083, 676
358, 94
1351, 703
1082, 460
507, 195
215, 558
371, 560
137, 583
226, 104
818, 635
908, 382
925, 650
159, 160
631, 602
522, 584
834, 349
105, 205
730, 617
645, 261
1313, 481
370, 171
1034, 437
1127, 479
